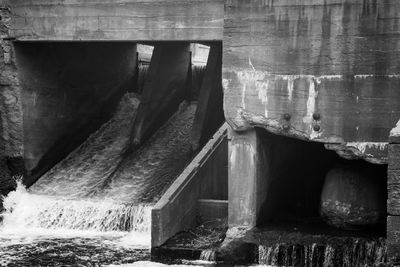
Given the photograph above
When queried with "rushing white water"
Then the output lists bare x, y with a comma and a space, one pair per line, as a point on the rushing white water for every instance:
99, 193
24, 210
351, 252
208, 255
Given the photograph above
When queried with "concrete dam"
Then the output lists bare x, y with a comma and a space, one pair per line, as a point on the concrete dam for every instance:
211, 133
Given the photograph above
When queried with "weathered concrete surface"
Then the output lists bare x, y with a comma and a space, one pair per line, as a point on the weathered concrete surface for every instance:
117, 20
248, 167
393, 202
10, 97
331, 66
11, 134
68, 91
204, 178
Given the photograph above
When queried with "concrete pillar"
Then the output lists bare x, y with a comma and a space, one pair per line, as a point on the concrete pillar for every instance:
209, 113
247, 178
164, 88
393, 202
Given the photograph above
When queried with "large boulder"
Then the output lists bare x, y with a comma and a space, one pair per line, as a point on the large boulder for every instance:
352, 198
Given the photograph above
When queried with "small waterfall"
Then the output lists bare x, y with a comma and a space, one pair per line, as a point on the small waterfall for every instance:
24, 210
143, 70
208, 255
351, 252
197, 79
99, 190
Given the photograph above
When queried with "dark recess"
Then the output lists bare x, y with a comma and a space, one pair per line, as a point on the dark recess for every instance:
298, 170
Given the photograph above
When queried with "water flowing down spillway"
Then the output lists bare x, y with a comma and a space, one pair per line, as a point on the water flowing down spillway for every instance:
100, 190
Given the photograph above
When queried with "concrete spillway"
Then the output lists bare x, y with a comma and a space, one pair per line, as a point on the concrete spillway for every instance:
99, 189
112, 187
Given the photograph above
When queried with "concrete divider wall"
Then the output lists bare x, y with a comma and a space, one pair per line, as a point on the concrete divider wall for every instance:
205, 177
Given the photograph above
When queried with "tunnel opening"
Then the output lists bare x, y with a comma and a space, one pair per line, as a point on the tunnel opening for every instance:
298, 173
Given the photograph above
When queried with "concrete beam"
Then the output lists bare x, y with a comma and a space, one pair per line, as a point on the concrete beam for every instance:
157, 20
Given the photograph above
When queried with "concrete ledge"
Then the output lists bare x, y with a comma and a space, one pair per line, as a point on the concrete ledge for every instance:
177, 208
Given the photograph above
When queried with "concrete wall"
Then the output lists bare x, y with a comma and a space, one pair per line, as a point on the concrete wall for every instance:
325, 70
117, 20
204, 177
11, 134
393, 207
68, 91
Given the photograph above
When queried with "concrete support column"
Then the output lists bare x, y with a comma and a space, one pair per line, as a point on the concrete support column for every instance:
393, 202
209, 113
247, 178
164, 88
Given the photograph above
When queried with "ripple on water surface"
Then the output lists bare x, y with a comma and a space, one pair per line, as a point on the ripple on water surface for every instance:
69, 252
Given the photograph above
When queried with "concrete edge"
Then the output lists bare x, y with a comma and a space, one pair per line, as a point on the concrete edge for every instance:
168, 213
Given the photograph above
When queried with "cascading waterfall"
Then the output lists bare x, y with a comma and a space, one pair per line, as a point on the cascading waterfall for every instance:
197, 79
143, 70
99, 189
352, 252
208, 255
25, 210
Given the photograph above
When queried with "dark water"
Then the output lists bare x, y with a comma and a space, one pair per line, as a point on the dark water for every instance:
69, 252
85, 252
